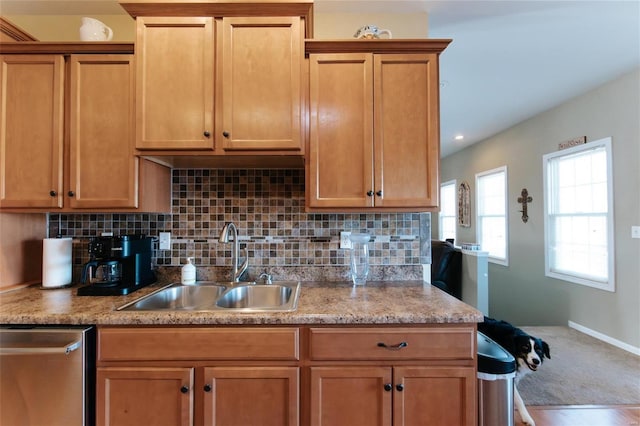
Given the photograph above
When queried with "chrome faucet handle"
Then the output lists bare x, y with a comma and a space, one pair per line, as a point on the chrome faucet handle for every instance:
266, 278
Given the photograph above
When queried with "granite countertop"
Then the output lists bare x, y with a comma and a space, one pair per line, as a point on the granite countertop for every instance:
388, 302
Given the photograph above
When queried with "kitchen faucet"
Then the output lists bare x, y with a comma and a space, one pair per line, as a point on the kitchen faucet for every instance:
236, 271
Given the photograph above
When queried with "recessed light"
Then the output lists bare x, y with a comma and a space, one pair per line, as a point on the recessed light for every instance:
459, 137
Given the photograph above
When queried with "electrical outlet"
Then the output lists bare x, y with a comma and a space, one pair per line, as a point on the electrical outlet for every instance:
635, 232
345, 242
165, 240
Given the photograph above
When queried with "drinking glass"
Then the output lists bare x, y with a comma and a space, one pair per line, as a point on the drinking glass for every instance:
359, 258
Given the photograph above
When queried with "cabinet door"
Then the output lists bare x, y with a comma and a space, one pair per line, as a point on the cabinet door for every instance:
434, 396
351, 396
31, 130
265, 396
262, 83
175, 90
102, 132
340, 170
407, 146
144, 396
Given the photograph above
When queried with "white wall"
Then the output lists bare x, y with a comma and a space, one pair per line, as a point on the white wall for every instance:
520, 293
52, 28
326, 25
345, 25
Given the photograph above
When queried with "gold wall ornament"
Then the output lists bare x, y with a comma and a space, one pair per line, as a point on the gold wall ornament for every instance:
524, 199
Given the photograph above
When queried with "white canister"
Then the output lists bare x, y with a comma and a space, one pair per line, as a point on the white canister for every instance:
188, 274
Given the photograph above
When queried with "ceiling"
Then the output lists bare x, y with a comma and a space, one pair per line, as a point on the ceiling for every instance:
509, 60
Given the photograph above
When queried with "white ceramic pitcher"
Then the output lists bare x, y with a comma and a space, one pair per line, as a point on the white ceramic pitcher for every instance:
94, 30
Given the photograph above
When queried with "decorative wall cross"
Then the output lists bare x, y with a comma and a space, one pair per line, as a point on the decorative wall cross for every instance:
524, 199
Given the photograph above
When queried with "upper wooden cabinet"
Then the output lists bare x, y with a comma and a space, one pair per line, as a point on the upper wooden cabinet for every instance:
250, 72
261, 83
101, 133
32, 131
62, 136
374, 127
175, 75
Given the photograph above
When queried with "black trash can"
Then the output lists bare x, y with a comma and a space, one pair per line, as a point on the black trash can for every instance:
496, 371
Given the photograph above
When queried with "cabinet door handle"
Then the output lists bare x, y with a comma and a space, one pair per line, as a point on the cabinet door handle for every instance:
225, 134
388, 387
207, 387
184, 389
206, 134
379, 193
393, 347
53, 193
71, 193
370, 193
399, 387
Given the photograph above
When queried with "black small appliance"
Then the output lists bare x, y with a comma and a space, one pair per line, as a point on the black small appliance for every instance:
117, 265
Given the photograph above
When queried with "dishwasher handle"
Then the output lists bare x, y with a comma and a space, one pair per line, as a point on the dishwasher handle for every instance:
64, 349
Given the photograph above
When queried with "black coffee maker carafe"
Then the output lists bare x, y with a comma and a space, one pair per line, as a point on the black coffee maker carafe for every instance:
117, 265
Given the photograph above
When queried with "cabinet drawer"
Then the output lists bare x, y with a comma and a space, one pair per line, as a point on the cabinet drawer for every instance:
158, 344
435, 343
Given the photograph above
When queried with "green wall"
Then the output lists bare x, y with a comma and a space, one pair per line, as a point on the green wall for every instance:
521, 293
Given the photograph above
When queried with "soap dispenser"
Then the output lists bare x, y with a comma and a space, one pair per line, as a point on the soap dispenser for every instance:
188, 273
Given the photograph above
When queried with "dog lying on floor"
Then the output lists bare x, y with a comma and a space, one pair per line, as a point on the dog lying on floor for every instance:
528, 351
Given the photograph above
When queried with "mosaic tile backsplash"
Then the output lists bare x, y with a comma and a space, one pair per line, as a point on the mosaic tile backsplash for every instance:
267, 206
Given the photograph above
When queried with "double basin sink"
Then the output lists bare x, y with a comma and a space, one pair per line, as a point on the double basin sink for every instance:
220, 296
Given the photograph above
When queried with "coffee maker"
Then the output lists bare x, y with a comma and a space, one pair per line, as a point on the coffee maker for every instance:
117, 265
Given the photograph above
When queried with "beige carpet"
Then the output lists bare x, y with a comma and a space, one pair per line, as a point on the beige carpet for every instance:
582, 371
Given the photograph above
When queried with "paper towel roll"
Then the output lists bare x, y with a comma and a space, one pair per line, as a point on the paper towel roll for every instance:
56, 262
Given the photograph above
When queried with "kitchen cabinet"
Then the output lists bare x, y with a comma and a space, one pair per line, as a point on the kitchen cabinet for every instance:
388, 396
312, 375
217, 376
175, 75
249, 69
69, 122
373, 126
101, 132
420, 376
144, 396
32, 136
261, 99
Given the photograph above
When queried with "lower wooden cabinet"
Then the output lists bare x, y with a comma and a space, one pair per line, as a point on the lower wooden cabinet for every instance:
169, 396
144, 396
287, 376
265, 396
398, 396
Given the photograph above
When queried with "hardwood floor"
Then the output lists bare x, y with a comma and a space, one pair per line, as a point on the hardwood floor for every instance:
584, 415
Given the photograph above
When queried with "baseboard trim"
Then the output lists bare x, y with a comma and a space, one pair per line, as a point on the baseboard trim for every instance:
615, 342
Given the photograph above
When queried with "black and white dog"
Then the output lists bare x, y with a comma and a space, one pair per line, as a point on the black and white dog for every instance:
528, 351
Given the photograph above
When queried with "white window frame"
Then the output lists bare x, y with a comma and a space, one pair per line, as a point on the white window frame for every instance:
492, 257
455, 211
584, 279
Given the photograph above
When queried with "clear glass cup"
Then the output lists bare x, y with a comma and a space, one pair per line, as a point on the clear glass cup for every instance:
359, 258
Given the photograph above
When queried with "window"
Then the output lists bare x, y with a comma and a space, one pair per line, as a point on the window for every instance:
491, 202
579, 215
447, 217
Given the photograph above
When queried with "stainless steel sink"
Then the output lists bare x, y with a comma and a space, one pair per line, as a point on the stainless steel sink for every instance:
263, 296
220, 296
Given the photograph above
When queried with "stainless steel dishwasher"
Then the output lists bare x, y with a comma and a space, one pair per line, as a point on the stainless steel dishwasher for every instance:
47, 376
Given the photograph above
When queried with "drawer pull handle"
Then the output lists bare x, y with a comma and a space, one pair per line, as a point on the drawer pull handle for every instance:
400, 387
388, 387
184, 389
393, 347
207, 387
